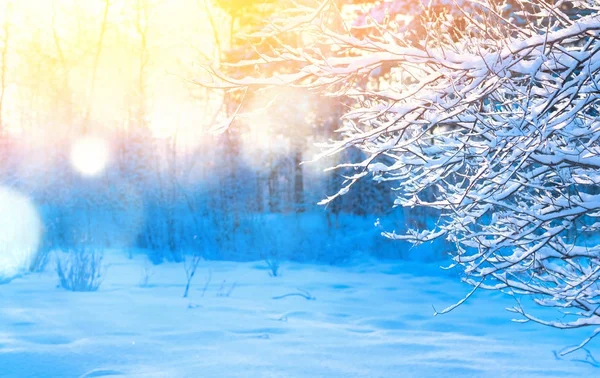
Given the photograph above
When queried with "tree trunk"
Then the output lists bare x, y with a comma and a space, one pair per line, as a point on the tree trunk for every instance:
298, 182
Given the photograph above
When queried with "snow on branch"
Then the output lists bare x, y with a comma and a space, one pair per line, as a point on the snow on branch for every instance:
497, 127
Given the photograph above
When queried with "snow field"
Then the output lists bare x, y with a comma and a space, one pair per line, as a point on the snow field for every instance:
371, 319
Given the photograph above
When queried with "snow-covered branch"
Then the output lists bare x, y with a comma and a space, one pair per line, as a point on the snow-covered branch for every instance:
496, 127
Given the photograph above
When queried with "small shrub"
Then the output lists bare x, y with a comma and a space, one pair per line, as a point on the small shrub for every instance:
80, 270
206, 283
273, 265
190, 264
39, 261
225, 291
147, 272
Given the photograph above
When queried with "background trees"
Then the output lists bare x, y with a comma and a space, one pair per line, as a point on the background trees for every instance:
117, 72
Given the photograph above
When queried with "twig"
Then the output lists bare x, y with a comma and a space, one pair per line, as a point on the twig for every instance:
206, 283
302, 293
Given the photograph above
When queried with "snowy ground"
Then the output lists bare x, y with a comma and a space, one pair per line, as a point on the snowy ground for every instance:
367, 320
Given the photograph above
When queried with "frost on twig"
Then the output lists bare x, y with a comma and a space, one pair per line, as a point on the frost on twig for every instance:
589, 358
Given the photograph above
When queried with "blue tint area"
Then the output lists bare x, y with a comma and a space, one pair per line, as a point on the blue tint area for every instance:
273, 288
369, 318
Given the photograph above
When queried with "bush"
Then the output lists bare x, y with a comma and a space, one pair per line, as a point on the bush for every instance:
273, 265
80, 270
39, 260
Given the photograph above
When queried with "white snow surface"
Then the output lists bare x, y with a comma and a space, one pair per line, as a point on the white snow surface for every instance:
368, 319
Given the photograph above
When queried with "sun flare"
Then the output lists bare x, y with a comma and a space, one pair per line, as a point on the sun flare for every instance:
90, 155
20, 232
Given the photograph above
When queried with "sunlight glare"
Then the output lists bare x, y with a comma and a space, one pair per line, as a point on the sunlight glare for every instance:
183, 124
20, 229
276, 121
90, 155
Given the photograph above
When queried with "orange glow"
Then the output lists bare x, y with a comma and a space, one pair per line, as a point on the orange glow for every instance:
66, 70
118, 67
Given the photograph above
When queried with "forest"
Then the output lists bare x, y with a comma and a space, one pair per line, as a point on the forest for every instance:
117, 79
213, 187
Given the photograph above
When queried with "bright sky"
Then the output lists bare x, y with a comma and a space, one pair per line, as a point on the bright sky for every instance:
50, 64
61, 85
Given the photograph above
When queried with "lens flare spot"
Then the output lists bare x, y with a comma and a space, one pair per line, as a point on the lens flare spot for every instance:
20, 233
90, 155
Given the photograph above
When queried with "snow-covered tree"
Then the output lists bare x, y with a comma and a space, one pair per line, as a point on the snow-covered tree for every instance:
487, 112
